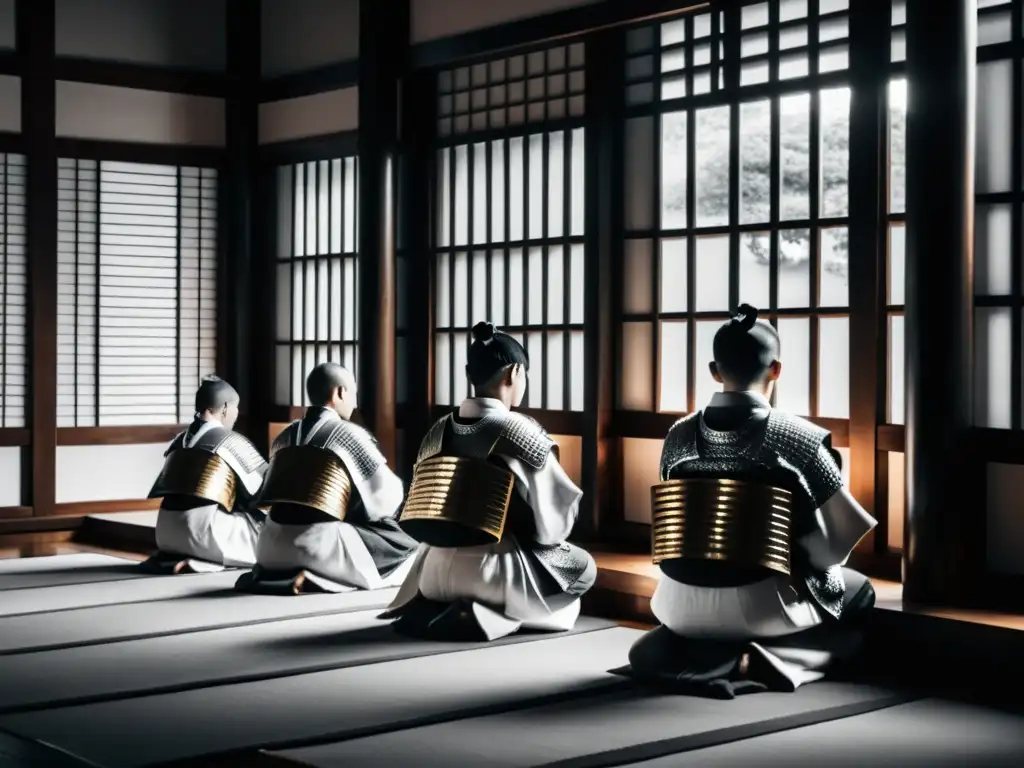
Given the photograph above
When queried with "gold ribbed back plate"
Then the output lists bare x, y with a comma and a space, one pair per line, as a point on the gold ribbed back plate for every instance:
198, 474
457, 502
308, 477
744, 523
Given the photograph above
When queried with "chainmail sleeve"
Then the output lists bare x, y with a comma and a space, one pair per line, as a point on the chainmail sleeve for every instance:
806, 448
824, 478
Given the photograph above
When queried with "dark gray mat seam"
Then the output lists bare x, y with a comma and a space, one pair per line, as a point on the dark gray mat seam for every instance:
99, 605
615, 685
23, 752
127, 577
307, 670
187, 631
53, 611
719, 736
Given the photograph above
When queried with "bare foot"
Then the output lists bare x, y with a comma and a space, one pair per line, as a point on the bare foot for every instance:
744, 666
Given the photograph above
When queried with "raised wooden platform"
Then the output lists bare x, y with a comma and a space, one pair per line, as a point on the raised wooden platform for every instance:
635, 577
126, 531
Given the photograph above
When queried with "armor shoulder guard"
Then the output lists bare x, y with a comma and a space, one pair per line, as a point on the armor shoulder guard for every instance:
524, 439
807, 448
285, 438
242, 449
176, 443
680, 443
433, 441
357, 449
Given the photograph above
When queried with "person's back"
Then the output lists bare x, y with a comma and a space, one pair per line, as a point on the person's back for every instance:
307, 544
530, 576
207, 519
709, 607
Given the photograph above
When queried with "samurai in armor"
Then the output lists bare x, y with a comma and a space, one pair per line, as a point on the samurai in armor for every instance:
530, 577
361, 547
727, 628
197, 529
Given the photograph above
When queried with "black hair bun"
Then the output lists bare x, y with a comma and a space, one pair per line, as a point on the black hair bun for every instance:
745, 316
483, 331
211, 379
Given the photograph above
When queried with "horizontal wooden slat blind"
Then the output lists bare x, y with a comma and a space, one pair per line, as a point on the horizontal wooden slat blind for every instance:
13, 291
317, 272
137, 271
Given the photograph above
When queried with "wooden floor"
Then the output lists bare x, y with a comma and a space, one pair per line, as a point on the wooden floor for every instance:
183, 671
637, 575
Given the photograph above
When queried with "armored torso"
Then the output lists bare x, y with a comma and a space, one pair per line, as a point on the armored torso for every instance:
505, 434
354, 446
781, 444
780, 449
236, 450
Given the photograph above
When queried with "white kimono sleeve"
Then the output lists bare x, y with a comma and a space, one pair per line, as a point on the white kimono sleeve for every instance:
553, 497
840, 524
381, 494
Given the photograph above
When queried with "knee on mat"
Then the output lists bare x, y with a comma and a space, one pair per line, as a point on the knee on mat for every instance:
650, 650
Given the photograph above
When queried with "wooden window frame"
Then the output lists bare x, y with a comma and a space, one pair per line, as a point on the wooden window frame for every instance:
447, 136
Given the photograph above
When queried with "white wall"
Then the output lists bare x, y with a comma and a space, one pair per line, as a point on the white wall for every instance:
107, 472
306, 116
433, 19
10, 103
175, 33
298, 35
7, 36
10, 477
87, 111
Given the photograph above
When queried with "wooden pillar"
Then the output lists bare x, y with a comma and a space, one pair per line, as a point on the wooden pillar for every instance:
243, 356
383, 53
35, 39
605, 52
941, 68
417, 209
869, 34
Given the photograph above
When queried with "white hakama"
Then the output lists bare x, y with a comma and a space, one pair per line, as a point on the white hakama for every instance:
507, 586
770, 614
333, 554
205, 536
209, 538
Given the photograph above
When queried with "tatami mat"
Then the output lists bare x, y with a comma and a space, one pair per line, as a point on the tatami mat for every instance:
329, 705
72, 596
20, 753
571, 730
203, 659
56, 570
211, 610
922, 734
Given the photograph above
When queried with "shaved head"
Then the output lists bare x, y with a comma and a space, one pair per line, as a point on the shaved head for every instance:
330, 382
217, 400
